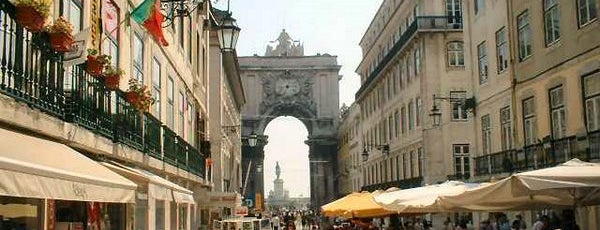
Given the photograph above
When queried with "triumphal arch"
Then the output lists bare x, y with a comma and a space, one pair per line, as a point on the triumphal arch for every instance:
285, 82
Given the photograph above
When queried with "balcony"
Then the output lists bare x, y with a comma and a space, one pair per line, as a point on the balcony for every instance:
402, 184
420, 24
32, 73
535, 156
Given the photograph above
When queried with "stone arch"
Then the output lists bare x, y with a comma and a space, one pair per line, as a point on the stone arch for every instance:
298, 112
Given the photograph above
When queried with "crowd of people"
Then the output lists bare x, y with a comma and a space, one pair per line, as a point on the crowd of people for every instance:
292, 220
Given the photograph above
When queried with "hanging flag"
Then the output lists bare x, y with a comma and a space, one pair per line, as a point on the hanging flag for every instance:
148, 15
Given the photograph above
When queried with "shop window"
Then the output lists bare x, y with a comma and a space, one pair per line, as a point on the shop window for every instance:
141, 214
159, 213
21, 213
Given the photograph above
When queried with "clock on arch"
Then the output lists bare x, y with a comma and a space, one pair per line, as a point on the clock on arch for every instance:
287, 87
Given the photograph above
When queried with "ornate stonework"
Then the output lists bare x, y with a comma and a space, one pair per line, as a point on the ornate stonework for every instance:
287, 89
286, 83
286, 46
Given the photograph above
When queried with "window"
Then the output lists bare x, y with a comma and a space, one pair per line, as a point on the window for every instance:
405, 166
591, 90
483, 63
506, 128
180, 31
454, 11
421, 159
189, 33
486, 134
411, 116
408, 66
524, 36
138, 58
170, 105
529, 121
458, 112
403, 114
414, 169
551, 21
479, 6
557, 113
156, 72
72, 12
390, 127
456, 55
461, 160
586, 11
110, 46
397, 123
417, 57
181, 113
419, 111
501, 49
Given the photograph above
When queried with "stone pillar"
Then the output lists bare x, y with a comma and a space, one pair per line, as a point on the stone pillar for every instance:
323, 168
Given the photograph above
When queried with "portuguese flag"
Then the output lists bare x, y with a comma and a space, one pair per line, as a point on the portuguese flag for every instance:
148, 15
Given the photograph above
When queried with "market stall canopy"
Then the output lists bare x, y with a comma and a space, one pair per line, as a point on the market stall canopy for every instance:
355, 205
572, 183
158, 187
420, 199
38, 168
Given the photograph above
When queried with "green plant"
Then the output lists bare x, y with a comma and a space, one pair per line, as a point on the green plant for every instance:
113, 71
41, 6
61, 25
143, 98
102, 58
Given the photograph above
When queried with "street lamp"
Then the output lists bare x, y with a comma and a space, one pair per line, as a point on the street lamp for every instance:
385, 149
252, 139
228, 34
365, 154
436, 115
466, 103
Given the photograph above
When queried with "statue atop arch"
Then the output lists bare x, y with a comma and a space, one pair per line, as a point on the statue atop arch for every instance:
286, 46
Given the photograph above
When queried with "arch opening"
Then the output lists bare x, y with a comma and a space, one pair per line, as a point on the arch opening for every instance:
286, 145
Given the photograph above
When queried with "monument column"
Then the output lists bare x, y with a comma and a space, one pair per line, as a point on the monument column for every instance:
322, 161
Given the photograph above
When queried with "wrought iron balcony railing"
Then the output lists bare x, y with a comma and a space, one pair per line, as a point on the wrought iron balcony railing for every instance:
31, 72
532, 157
402, 184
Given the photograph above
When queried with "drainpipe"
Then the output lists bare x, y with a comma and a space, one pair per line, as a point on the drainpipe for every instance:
513, 57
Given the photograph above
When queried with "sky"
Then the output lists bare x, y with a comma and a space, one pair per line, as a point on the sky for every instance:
323, 26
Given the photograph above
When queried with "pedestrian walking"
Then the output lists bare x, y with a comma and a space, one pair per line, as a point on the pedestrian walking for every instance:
519, 223
275, 222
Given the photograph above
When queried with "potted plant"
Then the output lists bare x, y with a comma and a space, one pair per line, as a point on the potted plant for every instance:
95, 63
112, 77
32, 14
139, 96
60, 35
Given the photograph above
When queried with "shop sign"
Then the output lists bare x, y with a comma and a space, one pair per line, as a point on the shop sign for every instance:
241, 211
50, 215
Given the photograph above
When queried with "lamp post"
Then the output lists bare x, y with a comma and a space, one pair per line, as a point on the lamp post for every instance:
436, 115
252, 139
228, 33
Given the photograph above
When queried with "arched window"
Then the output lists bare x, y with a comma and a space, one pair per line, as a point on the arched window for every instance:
456, 54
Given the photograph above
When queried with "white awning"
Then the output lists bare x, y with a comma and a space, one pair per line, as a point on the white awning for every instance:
158, 187
38, 168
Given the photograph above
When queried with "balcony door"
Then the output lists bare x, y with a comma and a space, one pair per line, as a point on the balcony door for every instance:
454, 11
461, 156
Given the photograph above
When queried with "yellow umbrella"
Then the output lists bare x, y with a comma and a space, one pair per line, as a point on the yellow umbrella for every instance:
355, 205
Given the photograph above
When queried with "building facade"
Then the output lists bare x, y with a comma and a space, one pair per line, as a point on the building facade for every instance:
162, 151
535, 65
349, 151
413, 60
